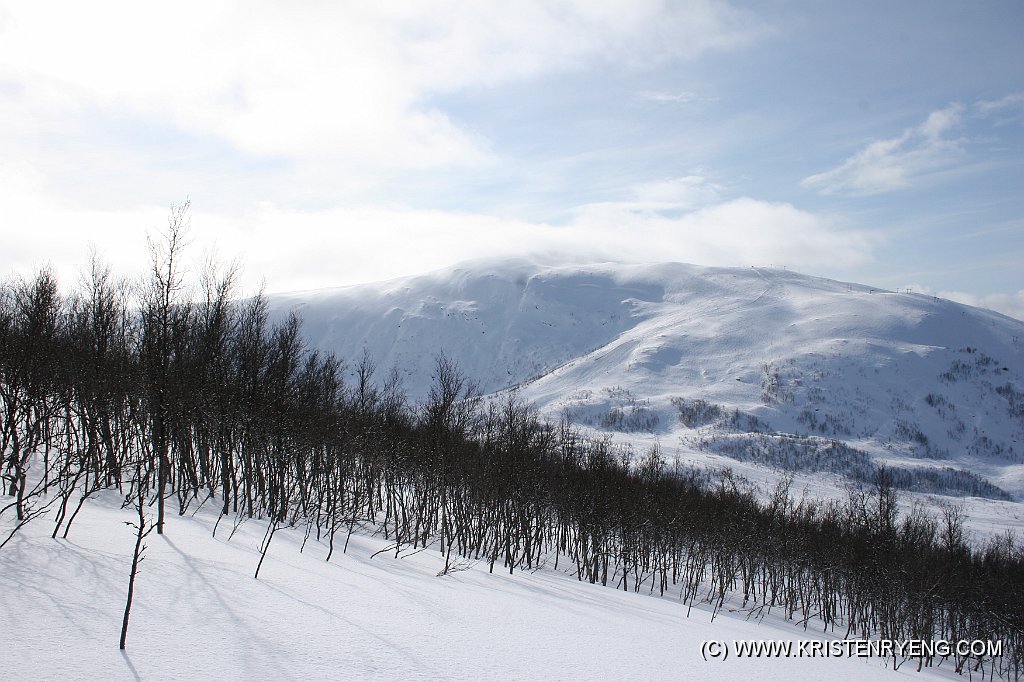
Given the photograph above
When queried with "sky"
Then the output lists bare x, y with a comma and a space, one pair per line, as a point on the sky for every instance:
329, 143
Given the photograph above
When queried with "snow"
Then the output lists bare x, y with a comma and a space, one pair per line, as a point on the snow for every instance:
912, 381
199, 614
582, 339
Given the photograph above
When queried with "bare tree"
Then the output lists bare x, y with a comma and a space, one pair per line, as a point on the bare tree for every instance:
137, 499
162, 302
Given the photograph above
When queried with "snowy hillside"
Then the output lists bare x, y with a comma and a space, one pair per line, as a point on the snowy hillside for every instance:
481, 544
199, 614
766, 366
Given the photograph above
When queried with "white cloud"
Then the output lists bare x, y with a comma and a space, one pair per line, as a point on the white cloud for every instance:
299, 249
367, 243
39, 230
888, 165
685, 219
680, 97
675, 97
683, 192
1009, 109
348, 82
1012, 101
739, 232
670, 194
1008, 304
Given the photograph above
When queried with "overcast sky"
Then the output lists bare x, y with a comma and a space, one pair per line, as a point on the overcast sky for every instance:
328, 143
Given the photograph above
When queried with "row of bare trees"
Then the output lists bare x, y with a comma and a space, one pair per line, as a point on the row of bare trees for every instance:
176, 396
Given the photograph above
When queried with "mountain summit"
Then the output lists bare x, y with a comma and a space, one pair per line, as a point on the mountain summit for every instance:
750, 364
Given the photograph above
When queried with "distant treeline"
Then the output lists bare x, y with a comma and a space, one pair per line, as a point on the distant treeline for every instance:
176, 396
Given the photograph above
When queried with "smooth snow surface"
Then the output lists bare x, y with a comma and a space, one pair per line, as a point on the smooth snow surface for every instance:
199, 614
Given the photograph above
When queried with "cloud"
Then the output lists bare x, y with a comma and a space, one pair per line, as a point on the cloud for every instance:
302, 249
675, 97
683, 192
355, 244
1013, 101
1009, 109
1008, 304
892, 164
742, 231
685, 219
350, 83
666, 195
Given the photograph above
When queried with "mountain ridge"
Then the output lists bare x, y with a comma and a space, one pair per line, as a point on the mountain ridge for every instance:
908, 380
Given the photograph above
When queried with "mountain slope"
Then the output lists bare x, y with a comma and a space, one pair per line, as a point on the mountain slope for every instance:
758, 364
199, 614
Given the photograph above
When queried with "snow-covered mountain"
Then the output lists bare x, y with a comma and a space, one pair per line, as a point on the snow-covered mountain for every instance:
759, 365
765, 370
